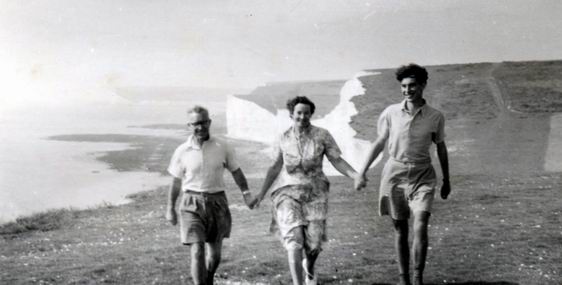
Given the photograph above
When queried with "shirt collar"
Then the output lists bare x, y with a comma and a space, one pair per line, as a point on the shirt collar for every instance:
307, 132
420, 110
192, 144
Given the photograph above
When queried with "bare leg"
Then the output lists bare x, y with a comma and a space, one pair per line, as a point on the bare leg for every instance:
314, 227
198, 269
295, 258
310, 260
213, 260
420, 244
402, 250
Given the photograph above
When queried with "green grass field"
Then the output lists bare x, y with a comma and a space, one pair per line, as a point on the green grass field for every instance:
501, 225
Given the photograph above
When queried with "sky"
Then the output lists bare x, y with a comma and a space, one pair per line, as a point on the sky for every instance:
52, 48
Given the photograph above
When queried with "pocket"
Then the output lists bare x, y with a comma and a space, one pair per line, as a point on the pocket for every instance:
189, 203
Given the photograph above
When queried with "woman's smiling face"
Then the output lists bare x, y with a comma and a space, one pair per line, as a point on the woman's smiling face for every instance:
301, 115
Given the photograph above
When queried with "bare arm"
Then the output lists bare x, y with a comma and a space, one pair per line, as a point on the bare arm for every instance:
376, 148
343, 167
444, 162
272, 173
173, 194
240, 180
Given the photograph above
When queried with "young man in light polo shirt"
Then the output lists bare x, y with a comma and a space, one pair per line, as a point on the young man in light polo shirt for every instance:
408, 180
197, 167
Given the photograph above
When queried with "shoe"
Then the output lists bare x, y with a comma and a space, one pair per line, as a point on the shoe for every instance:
418, 279
309, 279
404, 279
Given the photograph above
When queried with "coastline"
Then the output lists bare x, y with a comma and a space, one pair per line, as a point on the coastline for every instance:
491, 225
72, 155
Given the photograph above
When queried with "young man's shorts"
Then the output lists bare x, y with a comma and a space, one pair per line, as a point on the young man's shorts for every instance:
296, 207
406, 188
204, 217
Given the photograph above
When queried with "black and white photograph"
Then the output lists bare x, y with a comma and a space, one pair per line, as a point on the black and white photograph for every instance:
290, 142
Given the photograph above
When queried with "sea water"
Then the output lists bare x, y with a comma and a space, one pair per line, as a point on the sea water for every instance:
37, 173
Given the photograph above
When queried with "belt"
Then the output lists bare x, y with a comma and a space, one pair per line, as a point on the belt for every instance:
191, 192
421, 162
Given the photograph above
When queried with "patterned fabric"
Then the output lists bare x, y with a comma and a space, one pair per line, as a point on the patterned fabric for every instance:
301, 205
303, 156
300, 192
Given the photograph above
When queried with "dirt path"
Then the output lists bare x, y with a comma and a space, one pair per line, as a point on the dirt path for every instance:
496, 90
511, 143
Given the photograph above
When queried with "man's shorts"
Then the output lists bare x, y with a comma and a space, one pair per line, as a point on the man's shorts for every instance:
204, 217
406, 188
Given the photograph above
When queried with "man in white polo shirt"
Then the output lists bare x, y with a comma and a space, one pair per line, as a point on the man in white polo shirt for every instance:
197, 167
408, 179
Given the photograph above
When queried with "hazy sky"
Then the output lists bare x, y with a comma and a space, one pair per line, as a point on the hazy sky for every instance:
64, 45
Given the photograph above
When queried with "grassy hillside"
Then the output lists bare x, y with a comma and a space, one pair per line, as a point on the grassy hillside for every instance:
533, 87
501, 225
494, 230
466, 91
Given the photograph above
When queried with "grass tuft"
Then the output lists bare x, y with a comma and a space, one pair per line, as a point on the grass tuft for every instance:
45, 221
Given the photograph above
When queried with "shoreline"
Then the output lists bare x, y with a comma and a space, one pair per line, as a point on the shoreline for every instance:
491, 223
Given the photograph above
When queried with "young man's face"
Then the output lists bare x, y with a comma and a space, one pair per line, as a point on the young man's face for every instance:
411, 88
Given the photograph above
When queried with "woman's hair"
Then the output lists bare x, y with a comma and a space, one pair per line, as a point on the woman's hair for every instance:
412, 70
291, 103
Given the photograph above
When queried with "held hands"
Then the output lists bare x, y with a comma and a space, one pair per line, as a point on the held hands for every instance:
360, 181
445, 189
255, 203
252, 202
248, 198
172, 216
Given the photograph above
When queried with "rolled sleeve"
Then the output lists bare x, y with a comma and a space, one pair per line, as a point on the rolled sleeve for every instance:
175, 168
231, 159
440, 132
383, 125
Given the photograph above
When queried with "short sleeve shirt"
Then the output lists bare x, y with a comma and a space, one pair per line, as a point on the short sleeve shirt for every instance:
201, 169
410, 135
303, 156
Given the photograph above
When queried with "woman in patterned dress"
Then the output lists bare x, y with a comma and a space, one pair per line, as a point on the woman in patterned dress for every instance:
300, 188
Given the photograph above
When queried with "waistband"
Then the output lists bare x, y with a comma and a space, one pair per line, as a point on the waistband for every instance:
417, 163
204, 194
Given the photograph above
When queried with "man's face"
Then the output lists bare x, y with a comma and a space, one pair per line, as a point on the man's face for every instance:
411, 88
199, 123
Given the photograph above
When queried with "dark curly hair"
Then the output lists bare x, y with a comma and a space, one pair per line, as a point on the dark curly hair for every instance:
412, 70
291, 103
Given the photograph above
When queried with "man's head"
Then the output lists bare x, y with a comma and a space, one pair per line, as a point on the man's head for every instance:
413, 79
198, 121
